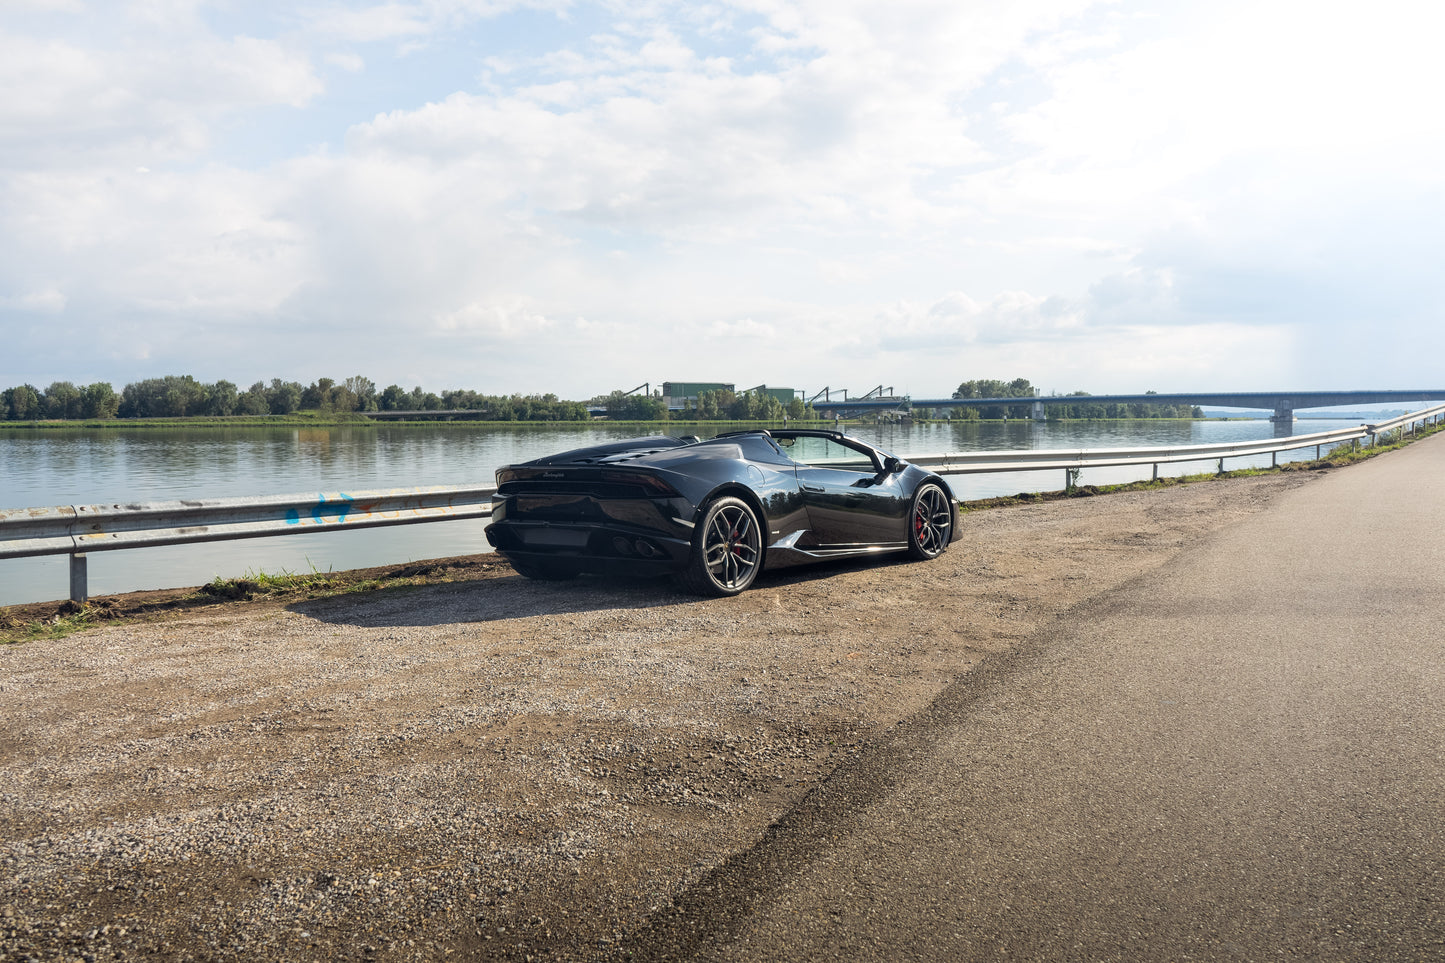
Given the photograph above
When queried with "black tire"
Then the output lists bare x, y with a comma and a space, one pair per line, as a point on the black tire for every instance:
544, 571
727, 549
930, 522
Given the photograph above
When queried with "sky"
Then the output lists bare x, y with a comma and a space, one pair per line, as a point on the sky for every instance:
576, 197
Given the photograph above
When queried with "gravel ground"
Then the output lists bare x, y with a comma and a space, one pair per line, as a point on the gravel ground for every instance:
495, 768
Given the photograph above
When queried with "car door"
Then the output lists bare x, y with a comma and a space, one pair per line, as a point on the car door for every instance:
851, 500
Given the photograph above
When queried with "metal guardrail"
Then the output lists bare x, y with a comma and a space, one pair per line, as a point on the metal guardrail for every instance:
79, 529
1422, 417
1072, 460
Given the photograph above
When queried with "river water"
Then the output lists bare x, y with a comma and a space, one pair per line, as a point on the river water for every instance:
44, 468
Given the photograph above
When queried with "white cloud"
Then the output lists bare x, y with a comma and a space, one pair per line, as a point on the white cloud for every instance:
374, 22
44, 301
743, 329
958, 320
1099, 343
496, 318
410, 21
350, 62
147, 96
1291, 95
1108, 194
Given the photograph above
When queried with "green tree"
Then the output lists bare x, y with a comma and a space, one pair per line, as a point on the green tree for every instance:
715, 405
253, 400
284, 397
184, 396
464, 399
424, 401
100, 401
22, 403
988, 388
621, 407
174, 396
317, 395
221, 398
340, 398
63, 400
135, 398
364, 391
755, 406
393, 398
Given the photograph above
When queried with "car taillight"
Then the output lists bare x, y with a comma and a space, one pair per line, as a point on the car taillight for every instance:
505, 475
647, 481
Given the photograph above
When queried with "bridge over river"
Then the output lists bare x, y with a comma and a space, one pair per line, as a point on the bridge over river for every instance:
1283, 403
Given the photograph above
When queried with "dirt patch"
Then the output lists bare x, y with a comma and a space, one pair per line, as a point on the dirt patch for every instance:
486, 767
107, 608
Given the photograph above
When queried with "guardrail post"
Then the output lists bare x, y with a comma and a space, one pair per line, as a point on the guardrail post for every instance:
1156, 471
1221, 466
79, 591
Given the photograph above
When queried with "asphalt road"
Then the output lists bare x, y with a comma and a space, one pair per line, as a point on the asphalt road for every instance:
1240, 756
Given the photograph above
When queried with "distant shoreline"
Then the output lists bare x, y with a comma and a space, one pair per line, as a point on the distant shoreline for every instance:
361, 421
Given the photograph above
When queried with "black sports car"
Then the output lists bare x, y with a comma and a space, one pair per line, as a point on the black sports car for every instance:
716, 512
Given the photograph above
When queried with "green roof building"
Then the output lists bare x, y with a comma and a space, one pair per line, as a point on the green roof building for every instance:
689, 390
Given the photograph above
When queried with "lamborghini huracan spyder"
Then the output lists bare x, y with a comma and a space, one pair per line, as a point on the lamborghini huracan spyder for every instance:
716, 512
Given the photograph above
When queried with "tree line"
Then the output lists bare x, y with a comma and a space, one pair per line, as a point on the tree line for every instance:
1083, 409
182, 396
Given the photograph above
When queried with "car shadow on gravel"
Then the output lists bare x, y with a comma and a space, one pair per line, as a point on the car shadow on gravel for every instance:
515, 597
490, 600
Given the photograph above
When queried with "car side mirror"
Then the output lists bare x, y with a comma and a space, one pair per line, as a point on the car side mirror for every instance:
892, 466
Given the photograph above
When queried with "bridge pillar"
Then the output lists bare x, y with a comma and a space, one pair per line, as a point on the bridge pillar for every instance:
1283, 412
1038, 411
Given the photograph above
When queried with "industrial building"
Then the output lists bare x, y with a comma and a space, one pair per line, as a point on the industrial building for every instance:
676, 394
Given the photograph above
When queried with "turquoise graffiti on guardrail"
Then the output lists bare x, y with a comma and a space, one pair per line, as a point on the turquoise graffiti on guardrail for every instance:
324, 511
